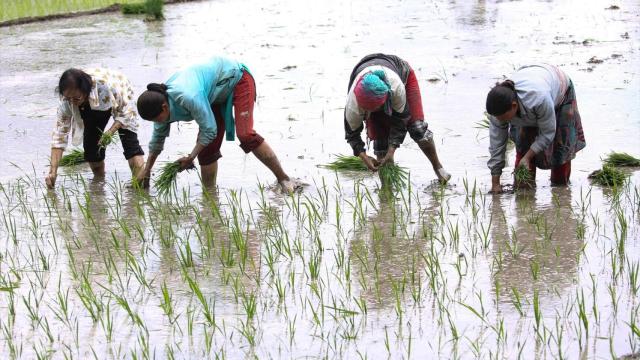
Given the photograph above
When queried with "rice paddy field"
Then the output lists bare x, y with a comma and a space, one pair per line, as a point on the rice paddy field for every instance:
342, 269
15, 9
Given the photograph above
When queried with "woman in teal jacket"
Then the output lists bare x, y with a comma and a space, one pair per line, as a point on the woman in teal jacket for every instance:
208, 93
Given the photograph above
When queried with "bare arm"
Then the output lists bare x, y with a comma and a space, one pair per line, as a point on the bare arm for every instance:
56, 155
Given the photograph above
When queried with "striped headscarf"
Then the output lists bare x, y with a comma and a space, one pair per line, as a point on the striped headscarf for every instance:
372, 90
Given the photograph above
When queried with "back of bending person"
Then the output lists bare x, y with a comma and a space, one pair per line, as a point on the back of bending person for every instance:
537, 108
384, 94
208, 93
88, 99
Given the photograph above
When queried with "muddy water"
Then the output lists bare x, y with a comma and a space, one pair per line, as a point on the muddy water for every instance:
301, 55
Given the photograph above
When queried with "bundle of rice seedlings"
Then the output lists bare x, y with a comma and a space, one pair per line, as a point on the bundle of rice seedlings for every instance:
523, 176
166, 181
621, 159
394, 176
107, 139
345, 162
609, 176
75, 157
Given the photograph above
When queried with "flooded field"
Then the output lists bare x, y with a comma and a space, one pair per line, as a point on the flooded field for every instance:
340, 270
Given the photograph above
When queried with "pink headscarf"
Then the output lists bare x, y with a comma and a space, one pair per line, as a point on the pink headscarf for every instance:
371, 91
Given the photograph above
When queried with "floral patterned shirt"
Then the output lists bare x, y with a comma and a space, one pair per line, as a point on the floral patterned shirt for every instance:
110, 90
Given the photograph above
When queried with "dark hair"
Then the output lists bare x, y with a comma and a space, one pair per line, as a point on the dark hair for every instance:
150, 102
500, 98
75, 79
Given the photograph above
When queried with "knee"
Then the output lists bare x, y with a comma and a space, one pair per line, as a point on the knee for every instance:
419, 132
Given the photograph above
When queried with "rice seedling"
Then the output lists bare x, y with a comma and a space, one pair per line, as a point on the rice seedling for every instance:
523, 177
609, 176
393, 176
75, 157
152, 8
107, 139
166, 181
346, 162
621, 159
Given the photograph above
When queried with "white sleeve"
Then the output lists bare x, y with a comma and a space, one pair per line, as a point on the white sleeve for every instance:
353, 113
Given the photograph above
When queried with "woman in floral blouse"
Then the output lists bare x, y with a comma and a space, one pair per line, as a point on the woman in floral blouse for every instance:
88, 99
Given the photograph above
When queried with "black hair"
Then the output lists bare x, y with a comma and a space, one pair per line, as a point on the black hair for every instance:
75, 79
150, 102
500, 98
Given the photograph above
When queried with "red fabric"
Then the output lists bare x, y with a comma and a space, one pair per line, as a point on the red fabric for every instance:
414, 99
559, 175
244, 97
378, 122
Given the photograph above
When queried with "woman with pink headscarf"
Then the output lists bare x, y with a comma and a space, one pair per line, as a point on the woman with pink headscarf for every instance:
384, 94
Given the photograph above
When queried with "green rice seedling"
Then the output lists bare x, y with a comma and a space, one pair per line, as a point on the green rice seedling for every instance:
107, 139
165, 182
523, 177
393, 176
346, 162
75, 157
608, 176
621, 159
152, 8
133, 9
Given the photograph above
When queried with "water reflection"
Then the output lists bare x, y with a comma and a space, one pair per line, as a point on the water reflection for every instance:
535, 245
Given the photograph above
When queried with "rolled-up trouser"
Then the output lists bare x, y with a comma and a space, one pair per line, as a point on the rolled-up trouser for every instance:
244, 97
95, 121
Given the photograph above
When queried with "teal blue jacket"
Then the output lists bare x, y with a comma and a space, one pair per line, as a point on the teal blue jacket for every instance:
193, 91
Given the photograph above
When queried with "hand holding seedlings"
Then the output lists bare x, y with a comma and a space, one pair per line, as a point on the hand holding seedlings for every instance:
522, 177
50, 180
108, 137
371, 163
186, 163
388, 158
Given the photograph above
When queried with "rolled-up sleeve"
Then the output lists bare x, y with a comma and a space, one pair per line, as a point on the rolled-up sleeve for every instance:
498, 136
546, 118
200, 109
160, 133
60, 135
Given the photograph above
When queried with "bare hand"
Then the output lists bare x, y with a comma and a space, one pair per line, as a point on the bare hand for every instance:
526, 162
371, 163
50, 180
142, 179
388, 159
185, 163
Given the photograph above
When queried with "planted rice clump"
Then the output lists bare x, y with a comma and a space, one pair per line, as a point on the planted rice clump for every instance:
75, 157
523, 176
394, 176
621, 159
345, 162
608, 176
153, 9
